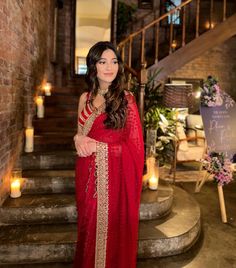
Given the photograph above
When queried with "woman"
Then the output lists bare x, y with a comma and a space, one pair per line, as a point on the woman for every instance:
109, 166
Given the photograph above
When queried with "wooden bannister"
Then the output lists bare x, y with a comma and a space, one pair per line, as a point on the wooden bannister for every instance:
126, 46
156, 23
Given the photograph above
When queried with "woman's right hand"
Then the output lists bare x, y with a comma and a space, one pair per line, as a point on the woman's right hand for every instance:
84, 145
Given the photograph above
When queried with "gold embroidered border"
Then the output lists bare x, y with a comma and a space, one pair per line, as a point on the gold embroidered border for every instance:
89, 122
102, 204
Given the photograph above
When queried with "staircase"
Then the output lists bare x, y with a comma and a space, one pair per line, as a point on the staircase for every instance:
191, 36
196, 48
39, 228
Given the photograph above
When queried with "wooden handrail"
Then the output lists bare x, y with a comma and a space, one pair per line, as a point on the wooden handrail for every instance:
130, 70
153, 22
127, 51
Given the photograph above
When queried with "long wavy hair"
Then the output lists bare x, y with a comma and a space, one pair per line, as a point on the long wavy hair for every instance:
115, 100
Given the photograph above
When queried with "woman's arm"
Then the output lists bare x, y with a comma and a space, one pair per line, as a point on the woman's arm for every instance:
84, 145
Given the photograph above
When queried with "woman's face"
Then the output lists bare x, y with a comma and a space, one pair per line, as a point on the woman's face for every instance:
107, 68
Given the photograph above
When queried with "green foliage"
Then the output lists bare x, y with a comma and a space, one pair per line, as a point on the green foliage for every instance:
162, 120
157, 117
124, 17
153, 95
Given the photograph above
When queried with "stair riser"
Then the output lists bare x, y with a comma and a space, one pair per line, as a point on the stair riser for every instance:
61, 100
48, 162
168, 247
32, 215
68, 90
155, 210
44, 147
48, 185
59, 112
39, 215
41, 129
55, 125
19, 254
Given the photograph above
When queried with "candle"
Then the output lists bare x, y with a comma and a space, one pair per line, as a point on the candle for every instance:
15, 189
40, 107
47, 89
153, 183
29, 140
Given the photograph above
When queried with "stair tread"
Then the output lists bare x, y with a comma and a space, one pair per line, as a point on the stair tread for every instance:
55, 133
180, 230
40, 201
185, 210
56, 153
49, 173
38, 234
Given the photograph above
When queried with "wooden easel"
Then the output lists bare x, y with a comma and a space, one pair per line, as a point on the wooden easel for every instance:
198, 187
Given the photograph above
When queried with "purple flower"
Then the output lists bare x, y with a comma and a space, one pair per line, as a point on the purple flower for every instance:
219, 166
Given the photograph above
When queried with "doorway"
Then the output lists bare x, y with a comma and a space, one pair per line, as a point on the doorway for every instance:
93, 23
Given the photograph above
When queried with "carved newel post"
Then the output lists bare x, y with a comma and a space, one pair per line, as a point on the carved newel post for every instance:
143, 82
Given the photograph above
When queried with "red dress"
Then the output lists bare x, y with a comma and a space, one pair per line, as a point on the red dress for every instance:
108, 187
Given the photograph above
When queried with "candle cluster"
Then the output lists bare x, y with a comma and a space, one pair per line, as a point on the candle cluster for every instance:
15, 189
40, 107
152, 176
47, 88
29, 131
29, 140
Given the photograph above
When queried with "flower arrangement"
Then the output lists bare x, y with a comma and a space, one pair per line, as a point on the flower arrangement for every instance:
211, 93
218, 165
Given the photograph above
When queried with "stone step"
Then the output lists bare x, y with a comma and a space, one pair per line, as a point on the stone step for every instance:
47, 185
56, 243
60, 100
39, 209
156, 204
49, 160
37, 243
174, 234
40, 265
66, 91
67, 111
55, 125
48, 173
48, 181
49, 208
53, 143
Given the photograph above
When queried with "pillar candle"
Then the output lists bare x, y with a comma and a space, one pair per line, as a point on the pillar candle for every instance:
15, 189
153, 183
40, 107
47, 89
29, 140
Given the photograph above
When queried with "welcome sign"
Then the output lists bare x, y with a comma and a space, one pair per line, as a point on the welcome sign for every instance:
219, 123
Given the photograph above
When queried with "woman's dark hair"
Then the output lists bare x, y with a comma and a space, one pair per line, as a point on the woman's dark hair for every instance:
116, 103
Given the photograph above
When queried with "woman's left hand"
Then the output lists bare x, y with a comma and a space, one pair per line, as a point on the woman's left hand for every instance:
84, 145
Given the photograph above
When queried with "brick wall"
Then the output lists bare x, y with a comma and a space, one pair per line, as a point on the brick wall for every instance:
65, 28
25, 42
219, 61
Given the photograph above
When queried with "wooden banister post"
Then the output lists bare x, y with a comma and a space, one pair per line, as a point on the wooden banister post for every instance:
197, 17
156, 41
211, 13
184, 26
224, 10
143, 82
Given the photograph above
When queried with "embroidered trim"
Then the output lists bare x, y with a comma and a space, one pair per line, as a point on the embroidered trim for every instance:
102, 204
89, 122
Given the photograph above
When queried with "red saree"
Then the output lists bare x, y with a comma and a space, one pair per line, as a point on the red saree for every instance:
108, 187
